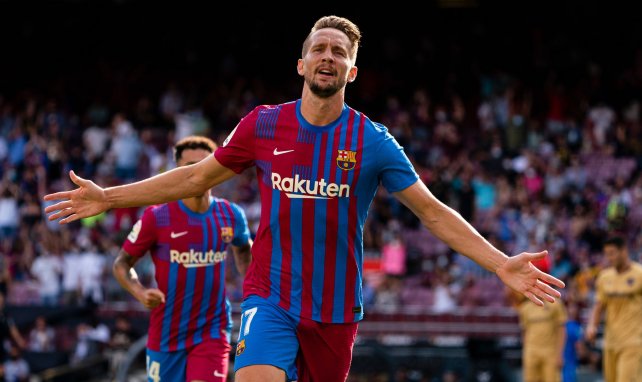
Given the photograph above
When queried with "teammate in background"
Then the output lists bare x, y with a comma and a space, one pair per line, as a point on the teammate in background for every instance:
543, 335
319, 164
543, 340
190, 316
619, 293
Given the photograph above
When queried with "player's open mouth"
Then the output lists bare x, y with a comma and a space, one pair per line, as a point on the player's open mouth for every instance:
326, 72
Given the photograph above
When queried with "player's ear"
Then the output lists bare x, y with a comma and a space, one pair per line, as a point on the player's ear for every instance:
299, 66
352, 74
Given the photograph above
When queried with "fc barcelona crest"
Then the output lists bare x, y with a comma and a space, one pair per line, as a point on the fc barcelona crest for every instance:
346, 159
240, 347
227, 234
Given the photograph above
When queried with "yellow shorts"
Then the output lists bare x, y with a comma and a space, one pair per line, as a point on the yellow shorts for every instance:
540, 367
623, 365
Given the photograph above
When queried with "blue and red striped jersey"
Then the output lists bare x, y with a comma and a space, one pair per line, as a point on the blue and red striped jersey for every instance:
316, 185
188, 250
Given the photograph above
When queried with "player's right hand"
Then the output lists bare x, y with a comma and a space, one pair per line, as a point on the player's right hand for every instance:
151, 298
85, 201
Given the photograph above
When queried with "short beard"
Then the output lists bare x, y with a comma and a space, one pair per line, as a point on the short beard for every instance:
326, 92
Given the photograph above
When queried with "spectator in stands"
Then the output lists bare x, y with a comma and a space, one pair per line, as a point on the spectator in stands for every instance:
121, 339
9, 213
171, 102
393, 251
94, 267
90, 341
5, 274
126, 148
450, 376
445, 294
84, 346
95, 141
563, 266
16, 369
71, 275
47, 269
618, 207
471, 294
600, 119
387, 299
8, 330
42, 337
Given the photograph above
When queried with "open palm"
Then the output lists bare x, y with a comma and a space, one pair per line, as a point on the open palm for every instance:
85, 201
521, 275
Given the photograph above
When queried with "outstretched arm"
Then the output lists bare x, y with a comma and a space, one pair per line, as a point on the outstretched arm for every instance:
517, 272
126, 276
180, 183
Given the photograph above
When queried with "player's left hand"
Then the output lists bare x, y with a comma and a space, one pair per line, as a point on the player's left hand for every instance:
518, 273
152, 297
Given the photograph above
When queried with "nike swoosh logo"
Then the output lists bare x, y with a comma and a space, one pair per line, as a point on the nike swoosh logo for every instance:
220, 375
175, 235
277, 152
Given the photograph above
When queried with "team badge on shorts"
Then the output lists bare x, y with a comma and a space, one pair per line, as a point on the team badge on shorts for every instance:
346, 159
227, 234
240, 348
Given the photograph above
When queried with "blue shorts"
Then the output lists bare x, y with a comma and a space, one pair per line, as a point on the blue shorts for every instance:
301, 347
267, 336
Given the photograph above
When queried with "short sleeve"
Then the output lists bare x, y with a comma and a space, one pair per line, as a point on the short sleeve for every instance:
241, 228
521, 315
142, 236
562, 316
396, 171
237, 152
600, 295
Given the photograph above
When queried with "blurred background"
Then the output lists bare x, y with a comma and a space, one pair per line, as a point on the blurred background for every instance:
526, 119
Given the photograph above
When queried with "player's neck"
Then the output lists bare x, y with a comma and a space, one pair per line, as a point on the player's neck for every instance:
625, 266
198, 204
321, 111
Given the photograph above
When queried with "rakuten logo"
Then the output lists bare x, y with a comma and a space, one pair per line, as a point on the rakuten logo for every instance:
194, 259
297, 188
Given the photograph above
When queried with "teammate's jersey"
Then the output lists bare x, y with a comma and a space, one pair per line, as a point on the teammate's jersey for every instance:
621, 294
189, 251
316, 184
